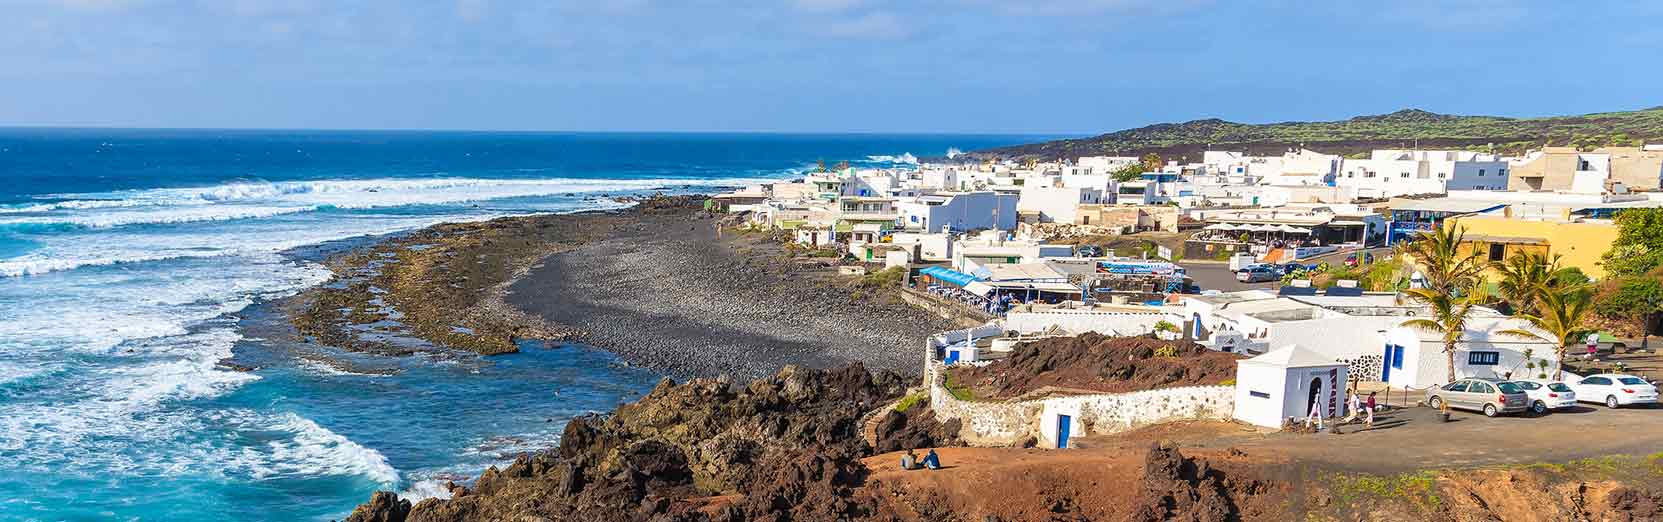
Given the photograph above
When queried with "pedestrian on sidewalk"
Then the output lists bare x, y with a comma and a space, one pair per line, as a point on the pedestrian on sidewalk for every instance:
1370, 409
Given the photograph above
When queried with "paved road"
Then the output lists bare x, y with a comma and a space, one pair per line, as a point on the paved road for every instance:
1408, 439
1217, 276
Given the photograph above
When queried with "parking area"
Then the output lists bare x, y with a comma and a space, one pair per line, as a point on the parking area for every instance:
1218, 276
1406, 439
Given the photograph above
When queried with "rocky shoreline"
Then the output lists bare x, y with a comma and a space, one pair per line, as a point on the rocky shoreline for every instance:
662, 284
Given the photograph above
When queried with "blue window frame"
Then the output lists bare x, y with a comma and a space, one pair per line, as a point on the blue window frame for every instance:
1397, 357
1483, 358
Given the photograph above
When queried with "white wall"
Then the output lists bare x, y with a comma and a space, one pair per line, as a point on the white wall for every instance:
1057, 204
1476, 175
1425, 364
931, 247
1257, 410
1289, 390
1082, 321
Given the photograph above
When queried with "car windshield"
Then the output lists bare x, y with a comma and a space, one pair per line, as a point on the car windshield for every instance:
1559, 387
1631, 380
1507, 387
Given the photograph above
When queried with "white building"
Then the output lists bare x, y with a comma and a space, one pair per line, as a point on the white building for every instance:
959, 211
1289, 382
931, 247
1055, 204
1365, 330
1391, 173
990, 249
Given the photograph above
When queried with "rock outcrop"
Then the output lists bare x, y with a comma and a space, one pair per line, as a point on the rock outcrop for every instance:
783, 448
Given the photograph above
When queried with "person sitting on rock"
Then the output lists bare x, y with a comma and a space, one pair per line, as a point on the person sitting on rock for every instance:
909, 461
931, 460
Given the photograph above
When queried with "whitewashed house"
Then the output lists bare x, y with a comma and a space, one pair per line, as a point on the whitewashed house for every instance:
1287, 383
959, 212
1365, 330
1055, 204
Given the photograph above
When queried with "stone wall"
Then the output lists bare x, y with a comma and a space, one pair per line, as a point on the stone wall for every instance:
1009, 423
960, 314
1365, 367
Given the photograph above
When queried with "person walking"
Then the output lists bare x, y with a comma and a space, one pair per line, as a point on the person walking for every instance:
1355, 404
1369, 407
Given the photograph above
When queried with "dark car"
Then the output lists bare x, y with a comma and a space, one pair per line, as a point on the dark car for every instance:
1089, 251
1292, 268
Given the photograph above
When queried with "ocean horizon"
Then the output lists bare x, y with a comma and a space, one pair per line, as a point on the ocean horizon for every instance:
132, 261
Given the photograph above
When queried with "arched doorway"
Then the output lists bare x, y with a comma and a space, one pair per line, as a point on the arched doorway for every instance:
1316, 394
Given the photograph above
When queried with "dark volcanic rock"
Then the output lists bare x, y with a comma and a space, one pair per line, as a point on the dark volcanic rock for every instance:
915, 429
1095, 362
785, 447
1178, 488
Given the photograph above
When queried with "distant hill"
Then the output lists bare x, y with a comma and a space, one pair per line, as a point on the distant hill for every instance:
1357, 135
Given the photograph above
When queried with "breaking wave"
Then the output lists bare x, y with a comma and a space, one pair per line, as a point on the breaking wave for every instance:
904, 159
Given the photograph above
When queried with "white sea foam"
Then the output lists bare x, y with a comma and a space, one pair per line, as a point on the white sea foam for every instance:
425, 489
135, 215
315, 450
954, 152
904, 158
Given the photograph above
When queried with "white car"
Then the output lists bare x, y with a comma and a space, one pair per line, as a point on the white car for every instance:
1547, 395
1615, 389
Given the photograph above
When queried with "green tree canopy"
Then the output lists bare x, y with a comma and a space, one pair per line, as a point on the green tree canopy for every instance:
1639, 245
1129, 172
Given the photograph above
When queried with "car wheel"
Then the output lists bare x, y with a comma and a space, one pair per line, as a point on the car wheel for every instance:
1435, 403
1611, 402
1490, 410
1540, 407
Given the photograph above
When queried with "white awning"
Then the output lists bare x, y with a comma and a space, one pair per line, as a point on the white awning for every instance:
1220, 226
978, 288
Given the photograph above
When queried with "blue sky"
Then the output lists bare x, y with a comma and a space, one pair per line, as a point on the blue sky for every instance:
1041, 66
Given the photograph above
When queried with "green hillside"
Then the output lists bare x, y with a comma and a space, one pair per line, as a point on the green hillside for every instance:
1400, 129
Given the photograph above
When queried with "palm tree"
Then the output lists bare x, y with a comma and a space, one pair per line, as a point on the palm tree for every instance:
1559, 318
1447, 318
1451, 285
1436, 254
1522, 277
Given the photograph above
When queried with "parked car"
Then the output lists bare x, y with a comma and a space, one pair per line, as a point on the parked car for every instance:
1293, 268
1491, 396
1089, 251
1258, 273
1547, 395
1615, 390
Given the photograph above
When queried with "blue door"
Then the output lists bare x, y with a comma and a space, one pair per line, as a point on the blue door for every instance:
952, 357
1386, 365
1063, 422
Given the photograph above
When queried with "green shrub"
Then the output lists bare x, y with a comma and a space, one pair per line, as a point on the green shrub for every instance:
1165, 326
912, 400
888, 277
1627, 297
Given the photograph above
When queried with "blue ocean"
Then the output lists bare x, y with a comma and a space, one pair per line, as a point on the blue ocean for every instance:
132, 261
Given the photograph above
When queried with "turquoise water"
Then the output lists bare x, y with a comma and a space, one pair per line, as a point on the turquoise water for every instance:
132, 261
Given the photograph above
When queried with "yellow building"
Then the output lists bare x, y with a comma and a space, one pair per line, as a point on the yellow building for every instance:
1579, 243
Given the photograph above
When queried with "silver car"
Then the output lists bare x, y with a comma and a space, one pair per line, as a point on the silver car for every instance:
1491, 396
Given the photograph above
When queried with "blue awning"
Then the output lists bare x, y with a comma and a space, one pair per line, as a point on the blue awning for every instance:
948, 275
